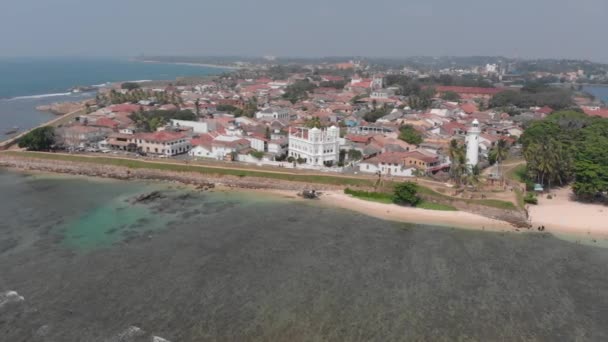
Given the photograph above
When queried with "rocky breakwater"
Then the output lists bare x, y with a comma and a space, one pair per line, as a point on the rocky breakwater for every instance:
202, 181
515, 217
60, 108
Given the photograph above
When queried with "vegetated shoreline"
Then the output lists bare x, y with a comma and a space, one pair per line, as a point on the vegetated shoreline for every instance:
332, 195
469, 217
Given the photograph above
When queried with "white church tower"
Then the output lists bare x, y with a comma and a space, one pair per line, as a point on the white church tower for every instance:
473, 144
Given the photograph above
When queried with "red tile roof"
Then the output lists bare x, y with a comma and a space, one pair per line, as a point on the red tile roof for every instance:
125, 107
603, 112
388, 158
545, 110
105, 122
161, 136
421, 156
358, 138
468, 108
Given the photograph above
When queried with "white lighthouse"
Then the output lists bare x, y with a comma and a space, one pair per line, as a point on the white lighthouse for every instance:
473, 144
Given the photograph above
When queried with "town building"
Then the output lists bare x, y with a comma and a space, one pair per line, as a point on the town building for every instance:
315, 146
77, 136
390, 164
161, 143
200, 127
273, 114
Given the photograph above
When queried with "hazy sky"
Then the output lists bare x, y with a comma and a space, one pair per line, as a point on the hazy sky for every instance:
514, 28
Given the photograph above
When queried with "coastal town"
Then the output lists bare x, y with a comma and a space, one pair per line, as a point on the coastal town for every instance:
457, 130
189, 171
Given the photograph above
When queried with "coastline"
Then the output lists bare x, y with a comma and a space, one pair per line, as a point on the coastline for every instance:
332, 196
215, 66
397, 213
563, 215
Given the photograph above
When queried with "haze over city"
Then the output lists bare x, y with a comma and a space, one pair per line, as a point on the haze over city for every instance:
519, 28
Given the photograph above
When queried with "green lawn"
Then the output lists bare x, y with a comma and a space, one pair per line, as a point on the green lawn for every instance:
386, 198
494, 203
315, 179
435, 206
517, 173
520, 198
379, 197
140, 164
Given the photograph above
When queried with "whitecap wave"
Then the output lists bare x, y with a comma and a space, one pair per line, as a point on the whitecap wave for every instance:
39, 96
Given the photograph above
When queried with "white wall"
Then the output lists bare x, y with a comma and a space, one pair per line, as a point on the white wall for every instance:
392, 170
197, 127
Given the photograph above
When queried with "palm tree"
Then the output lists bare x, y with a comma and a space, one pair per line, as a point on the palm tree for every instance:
473, 176
197, 105
457, 156
500, 151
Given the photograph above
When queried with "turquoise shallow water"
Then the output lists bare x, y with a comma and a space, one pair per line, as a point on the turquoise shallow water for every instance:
241, 266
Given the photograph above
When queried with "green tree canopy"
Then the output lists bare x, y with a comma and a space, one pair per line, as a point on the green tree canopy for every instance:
39, 139
406, 193
533, 95
130, 86
375, 114
450, 96
151, 120
410, 135
298, 91
569, 146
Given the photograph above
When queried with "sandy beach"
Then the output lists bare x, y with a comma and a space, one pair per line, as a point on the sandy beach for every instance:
563, 215
393, 212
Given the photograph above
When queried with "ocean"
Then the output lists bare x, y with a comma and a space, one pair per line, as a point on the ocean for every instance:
245, 266
601, 93
29, 82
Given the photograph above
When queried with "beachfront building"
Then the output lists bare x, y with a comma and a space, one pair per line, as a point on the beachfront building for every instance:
315, 146
390, 164
161, 143
472, 141
78, 136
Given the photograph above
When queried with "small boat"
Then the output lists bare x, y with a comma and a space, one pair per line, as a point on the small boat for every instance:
309, 194
11, 130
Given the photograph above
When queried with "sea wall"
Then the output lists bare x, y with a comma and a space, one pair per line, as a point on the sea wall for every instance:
125, 173
63, 119
514, 217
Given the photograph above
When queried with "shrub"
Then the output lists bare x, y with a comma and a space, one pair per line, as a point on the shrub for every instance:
530, 198
406, 193
257, 154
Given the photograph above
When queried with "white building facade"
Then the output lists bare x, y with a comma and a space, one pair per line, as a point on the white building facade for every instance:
273, 114
197, 126
317, 147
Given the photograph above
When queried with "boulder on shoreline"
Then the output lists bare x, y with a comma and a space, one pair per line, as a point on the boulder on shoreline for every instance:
147, 197
60, 108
